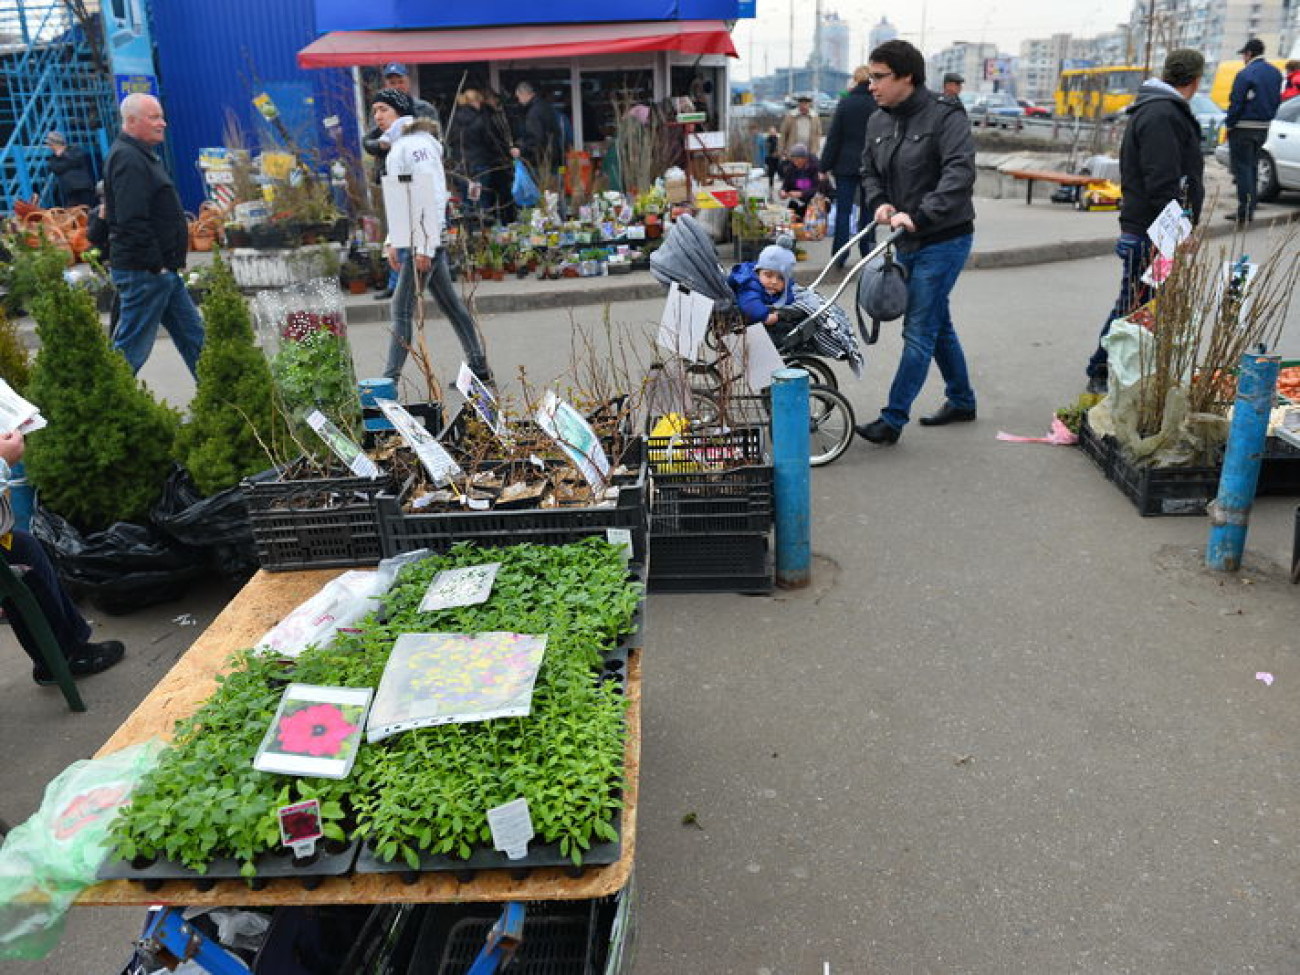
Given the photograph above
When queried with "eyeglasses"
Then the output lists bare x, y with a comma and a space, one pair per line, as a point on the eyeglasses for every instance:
879, 75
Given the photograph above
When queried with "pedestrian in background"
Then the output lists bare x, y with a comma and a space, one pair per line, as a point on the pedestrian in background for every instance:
424, 264
1292, 88
1159, 161
918, 174
1256, 94
952, 86
802, 127
540, 141
842, 158
801, 180
475, 151
148, 240
71, 168
772, 155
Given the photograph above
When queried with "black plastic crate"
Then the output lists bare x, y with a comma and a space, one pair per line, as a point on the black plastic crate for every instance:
1166, 490
406, 532
1100, 450
710, 483
1279, 473
316, 523
719, 562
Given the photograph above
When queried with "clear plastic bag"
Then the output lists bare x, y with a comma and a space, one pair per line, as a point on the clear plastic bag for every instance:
48, 860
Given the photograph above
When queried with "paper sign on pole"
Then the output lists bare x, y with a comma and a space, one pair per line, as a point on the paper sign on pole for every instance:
1170, 229
684, 322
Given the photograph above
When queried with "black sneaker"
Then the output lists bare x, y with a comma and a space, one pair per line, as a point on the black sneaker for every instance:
93, 658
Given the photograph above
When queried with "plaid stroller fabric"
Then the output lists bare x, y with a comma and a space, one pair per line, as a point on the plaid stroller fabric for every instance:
832, 335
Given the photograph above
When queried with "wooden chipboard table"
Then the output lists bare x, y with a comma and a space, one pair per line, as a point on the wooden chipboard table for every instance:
258, 607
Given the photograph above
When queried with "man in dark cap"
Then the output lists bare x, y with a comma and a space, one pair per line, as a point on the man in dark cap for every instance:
1159, 161
72, 170
1256, 94
952, 84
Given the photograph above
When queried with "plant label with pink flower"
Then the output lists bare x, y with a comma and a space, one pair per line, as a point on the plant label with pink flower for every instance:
316, 731
300, 826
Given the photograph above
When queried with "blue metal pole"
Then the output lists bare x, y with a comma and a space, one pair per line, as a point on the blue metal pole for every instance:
1230, 511
792, 482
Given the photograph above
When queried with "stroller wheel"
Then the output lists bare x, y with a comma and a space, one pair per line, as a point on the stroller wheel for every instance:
820, 372
830, 425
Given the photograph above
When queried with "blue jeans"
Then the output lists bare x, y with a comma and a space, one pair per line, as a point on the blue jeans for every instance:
846, 194
1134, 253
1243, 160
149, 300
927, 330
440, 285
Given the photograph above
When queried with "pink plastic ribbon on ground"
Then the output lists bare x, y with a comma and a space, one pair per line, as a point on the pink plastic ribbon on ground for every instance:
1059, 435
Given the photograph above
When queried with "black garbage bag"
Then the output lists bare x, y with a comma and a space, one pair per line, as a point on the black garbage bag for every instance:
217, 525
121, 569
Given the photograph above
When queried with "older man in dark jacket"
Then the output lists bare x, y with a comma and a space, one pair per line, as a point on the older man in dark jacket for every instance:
540, 142
1159, 161
918, 174
149, 240
842, 158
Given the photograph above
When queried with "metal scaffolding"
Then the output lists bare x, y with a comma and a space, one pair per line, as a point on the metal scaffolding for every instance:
52, 76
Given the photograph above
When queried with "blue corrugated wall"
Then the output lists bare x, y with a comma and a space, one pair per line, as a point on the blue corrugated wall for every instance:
214, 57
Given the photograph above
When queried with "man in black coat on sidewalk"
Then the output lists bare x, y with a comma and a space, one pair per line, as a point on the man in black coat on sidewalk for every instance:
842, 158
1160, 162
540, 143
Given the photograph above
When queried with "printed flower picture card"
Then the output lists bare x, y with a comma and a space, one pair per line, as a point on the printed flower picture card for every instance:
316, 731
452, 678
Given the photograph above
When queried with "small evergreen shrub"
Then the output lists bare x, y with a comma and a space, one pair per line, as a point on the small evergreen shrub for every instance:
107, 450
15, 362
233, 422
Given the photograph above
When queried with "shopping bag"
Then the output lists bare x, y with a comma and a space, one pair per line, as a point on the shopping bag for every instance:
525, 187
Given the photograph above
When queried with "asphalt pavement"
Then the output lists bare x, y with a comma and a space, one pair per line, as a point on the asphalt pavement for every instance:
1010, 727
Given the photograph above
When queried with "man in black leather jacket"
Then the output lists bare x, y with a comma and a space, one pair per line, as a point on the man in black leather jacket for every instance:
918, 174
149, 240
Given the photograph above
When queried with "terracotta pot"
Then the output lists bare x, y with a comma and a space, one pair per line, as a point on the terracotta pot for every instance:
357, 287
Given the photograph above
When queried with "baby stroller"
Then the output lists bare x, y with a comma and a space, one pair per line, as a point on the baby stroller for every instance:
813, 342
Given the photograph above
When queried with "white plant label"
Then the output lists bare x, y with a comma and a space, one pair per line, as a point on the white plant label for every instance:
512, 828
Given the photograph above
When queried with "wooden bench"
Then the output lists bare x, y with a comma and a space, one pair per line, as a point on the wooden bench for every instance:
1032, 176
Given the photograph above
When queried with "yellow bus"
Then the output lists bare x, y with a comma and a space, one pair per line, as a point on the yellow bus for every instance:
1097, 92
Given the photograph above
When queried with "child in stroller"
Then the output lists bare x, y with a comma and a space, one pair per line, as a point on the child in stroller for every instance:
766, 292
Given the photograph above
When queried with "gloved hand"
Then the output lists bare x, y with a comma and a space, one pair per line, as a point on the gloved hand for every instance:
790, 314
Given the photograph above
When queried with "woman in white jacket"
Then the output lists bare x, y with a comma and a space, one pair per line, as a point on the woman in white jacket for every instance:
414, 150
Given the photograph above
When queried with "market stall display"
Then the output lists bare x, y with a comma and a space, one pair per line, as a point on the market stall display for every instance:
580, 596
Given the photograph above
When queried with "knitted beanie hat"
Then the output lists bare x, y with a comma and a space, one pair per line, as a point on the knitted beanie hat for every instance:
776, 258
396, 99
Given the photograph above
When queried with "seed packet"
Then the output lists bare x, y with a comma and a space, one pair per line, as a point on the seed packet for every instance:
467, 586
453, 678
316, 731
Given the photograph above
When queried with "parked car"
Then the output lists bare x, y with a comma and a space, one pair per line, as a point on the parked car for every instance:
993, 108
1279, 162
1033, 109
1210, 117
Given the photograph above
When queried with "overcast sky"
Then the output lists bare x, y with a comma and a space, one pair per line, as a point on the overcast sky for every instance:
764, 43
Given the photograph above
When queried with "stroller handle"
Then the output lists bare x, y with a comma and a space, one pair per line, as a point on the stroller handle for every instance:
871, 255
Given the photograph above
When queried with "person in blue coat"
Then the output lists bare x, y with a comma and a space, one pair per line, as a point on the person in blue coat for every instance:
1256, 94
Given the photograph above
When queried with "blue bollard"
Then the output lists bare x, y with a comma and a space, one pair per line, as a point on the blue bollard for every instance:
792, 481
1230, 511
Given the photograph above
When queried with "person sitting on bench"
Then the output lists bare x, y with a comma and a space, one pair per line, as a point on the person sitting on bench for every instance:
66, 622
